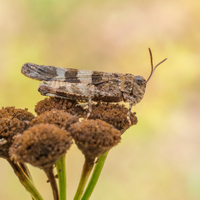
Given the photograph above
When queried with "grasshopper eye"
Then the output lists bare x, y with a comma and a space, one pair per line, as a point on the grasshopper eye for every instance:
139, 80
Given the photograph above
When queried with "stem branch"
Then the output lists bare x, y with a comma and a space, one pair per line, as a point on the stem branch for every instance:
87, 168
51, 177
61, 171
25, 181
95, 176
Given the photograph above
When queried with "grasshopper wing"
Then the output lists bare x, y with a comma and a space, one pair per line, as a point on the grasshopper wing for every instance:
51, 73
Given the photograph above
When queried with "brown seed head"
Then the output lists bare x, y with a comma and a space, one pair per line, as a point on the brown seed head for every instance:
21, 114
40, 145
113, 114
61, 104
94, 137
57, 117
9, 127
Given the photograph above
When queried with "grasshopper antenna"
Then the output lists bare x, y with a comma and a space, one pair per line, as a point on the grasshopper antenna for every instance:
153, 68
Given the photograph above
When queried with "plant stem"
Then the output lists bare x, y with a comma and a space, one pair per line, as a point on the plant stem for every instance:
51, 177
25, 181
27, 172
61, 171
95, 176
87, 168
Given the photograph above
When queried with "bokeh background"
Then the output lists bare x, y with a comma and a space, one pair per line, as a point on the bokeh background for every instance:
159, 158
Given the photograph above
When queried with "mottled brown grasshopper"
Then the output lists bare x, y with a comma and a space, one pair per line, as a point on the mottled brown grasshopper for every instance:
85, 85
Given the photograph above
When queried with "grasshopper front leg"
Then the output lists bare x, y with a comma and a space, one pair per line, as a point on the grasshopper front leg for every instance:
90, 100
132, 102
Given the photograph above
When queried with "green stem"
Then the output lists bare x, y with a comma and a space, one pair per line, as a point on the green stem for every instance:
25, 181
27, 172
87, 168
61, 171
95, 176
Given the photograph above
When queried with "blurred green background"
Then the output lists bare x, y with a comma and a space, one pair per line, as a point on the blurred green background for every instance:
159, 158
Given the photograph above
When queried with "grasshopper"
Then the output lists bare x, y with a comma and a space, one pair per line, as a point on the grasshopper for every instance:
86, 85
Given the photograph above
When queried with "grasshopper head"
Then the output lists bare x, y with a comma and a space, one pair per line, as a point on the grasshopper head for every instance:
139, 86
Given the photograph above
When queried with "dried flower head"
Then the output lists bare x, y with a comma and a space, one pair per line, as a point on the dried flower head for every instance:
94, 137
40, 145
9, 127
21, 114
113, 114
61, 104
57, 117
